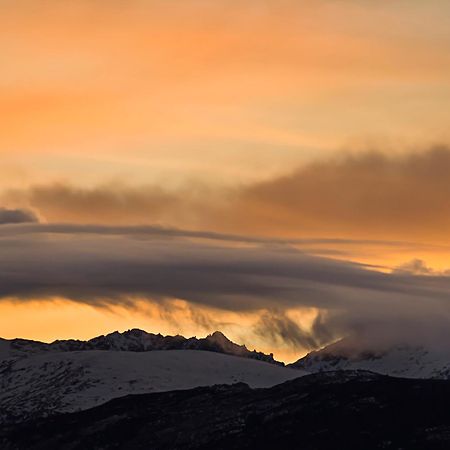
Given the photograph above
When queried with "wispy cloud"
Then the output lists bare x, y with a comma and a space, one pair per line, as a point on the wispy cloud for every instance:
365, 196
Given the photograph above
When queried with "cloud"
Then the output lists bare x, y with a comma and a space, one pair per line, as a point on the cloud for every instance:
110, 203
369, 195
280, 328
237, 265
145, 231
12, 216
366, 196
415, 266
100, 268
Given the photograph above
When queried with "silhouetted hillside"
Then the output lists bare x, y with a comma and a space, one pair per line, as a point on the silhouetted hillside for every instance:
344, 410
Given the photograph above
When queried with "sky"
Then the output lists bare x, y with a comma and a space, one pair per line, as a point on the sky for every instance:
275, 169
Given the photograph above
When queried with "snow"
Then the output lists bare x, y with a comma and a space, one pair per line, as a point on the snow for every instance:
68, 381
139, 341
401, 361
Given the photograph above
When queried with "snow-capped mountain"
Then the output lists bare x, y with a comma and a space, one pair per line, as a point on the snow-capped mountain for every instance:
134, 340
39, 379
409, 361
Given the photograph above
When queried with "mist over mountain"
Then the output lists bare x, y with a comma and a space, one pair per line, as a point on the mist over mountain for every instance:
412, 360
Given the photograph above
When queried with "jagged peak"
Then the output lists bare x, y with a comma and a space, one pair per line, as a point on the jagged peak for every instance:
137, 340
218, 336
136, 332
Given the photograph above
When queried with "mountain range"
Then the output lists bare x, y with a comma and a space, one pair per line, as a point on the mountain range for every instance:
39, 379
405, 360
133, 340
115, 380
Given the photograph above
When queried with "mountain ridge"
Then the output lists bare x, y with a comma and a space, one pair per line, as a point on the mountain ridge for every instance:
136, 340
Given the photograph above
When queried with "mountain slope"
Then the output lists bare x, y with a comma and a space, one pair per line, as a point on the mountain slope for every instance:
50, 382
339, 410
134, 340
400, 360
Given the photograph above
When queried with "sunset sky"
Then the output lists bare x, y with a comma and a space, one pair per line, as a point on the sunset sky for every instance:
275, 169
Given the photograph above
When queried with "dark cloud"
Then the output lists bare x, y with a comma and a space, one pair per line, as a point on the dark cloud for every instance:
12, 216
143, 231
359, 198
102, 268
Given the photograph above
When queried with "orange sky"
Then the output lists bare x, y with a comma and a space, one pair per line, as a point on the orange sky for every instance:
189, 112
60, 319
173, 90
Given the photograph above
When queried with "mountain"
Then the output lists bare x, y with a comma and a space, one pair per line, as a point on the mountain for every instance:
348, 410
134, 340
48, 382
411, 361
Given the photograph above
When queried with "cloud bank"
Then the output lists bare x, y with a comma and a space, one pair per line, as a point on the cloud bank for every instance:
103, 268
238, 265
365, 196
